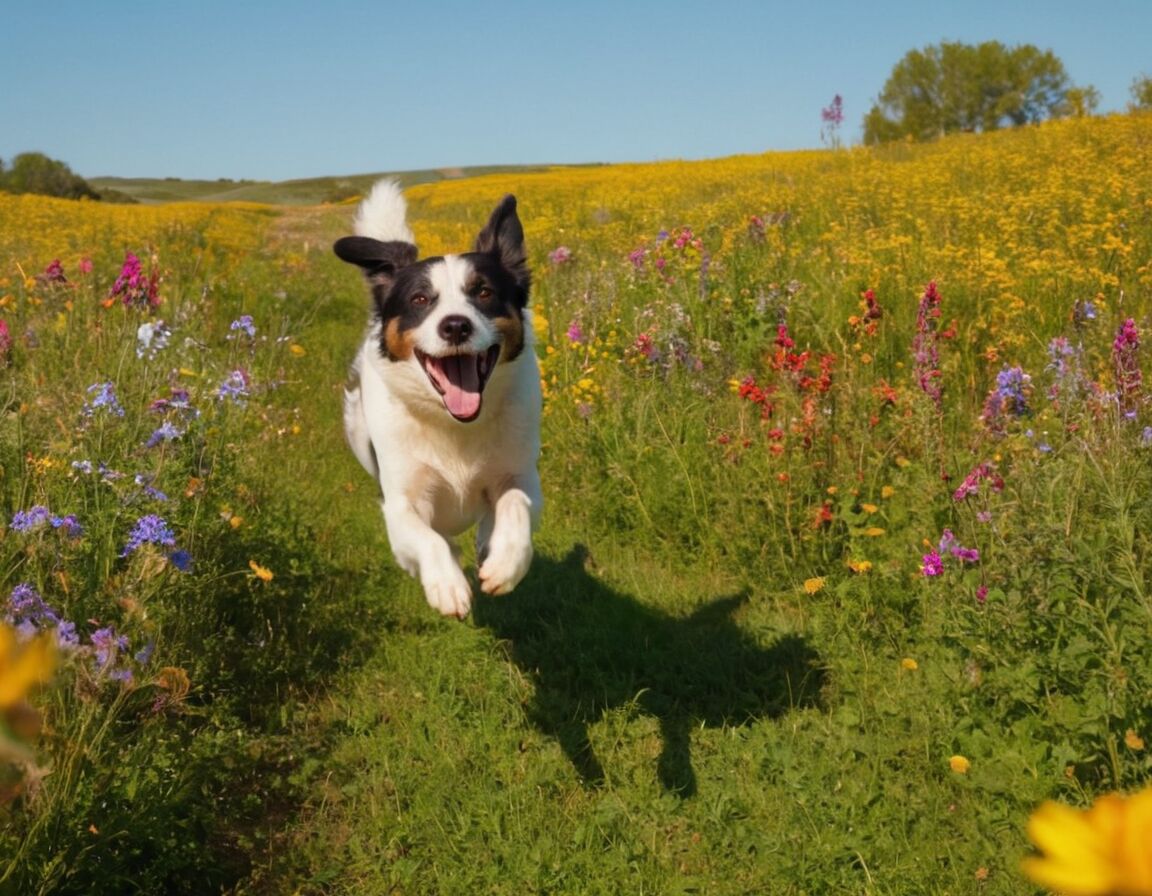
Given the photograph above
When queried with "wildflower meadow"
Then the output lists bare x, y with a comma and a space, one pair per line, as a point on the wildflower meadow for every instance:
843, 583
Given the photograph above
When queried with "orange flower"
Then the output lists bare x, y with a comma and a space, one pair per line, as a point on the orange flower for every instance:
1105, 850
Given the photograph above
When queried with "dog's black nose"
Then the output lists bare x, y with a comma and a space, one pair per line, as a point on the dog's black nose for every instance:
455, 329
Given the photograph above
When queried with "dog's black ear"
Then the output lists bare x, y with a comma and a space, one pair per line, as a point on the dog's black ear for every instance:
504, 236
379, 260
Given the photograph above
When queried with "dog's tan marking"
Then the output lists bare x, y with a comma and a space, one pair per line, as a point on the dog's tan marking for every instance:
399, 344
512, 330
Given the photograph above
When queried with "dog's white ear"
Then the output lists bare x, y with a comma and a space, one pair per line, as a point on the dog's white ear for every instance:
504, 236
378, 259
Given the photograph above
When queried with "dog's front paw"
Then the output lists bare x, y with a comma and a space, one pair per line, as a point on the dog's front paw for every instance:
506, 564
448, 592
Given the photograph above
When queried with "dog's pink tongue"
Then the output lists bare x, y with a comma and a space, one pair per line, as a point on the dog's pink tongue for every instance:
461, 384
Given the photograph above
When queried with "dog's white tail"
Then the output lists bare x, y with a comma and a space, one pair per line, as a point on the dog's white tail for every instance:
383, 214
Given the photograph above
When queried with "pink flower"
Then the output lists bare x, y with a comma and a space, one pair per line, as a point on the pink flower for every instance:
932, 565
5, 342
560, 255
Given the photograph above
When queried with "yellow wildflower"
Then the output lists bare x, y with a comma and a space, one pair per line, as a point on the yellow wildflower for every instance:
874, 531
959, 764
1133, 741
869, 508
1100, 851
23, 666
813, 585
910, 665
263, 573
860, 566
887, 492
297, 350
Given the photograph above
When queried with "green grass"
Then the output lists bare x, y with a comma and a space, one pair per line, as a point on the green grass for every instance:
725, 671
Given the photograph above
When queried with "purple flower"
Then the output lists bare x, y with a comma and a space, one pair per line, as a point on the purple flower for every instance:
149, 529
234, 387
833, 113
104, 397
5, 342
107, 647
40, 516
27, 520
144, 480
926, 357
68, 524
29, 613
244, 325
932, 564
166, 432
575, 334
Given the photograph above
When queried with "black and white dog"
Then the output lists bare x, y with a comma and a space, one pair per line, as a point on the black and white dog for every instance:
443, 404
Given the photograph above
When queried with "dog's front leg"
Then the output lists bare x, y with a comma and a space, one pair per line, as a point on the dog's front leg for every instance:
505, 536
425, 554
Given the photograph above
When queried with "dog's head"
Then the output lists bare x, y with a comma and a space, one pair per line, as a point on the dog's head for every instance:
456, 316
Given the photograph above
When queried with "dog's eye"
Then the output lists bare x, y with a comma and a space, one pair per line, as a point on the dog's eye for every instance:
419, 299
484, 293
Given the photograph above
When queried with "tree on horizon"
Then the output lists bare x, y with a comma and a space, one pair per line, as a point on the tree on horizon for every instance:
952, 86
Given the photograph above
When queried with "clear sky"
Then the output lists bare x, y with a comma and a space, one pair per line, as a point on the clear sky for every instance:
302, 88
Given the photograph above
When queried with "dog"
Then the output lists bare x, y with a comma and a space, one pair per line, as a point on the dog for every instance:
443, 401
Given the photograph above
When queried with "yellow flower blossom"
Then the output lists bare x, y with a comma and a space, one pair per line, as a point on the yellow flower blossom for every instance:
1133, 741
874, 531
860, 566
887, 492
1105, 850
263, 573
910, 665
23, 666
813, 585
869, 508
959, 764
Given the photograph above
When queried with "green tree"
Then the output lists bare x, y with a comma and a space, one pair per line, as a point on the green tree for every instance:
1141, 91
34, 172
964, 87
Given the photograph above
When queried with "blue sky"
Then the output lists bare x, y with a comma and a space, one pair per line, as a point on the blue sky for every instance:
208, 89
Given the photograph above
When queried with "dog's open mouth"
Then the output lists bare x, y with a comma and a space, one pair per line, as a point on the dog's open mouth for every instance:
460, 379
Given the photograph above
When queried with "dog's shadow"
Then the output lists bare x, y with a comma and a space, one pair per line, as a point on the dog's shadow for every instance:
588, 649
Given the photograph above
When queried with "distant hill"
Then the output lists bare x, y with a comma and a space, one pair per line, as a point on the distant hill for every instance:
311, 191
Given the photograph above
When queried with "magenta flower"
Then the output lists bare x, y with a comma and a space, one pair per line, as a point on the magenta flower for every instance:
135, 288
560, 255
5, 342
1126, 361
926, 357
932, 565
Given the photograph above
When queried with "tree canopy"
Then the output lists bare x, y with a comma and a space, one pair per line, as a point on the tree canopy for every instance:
953, 86
34, 172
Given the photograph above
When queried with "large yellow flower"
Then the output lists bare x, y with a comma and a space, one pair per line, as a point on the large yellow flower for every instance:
1102, 851
22, 666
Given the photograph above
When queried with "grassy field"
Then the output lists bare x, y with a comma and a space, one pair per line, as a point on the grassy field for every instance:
307, 191
844, 566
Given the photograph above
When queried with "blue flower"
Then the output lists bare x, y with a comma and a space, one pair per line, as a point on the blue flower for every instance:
27, 520
234, 387
105, 397
149, 529
166, 432
245, 325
